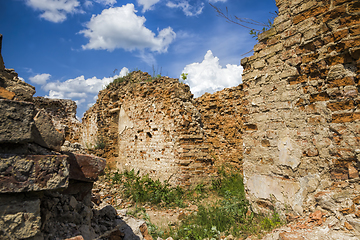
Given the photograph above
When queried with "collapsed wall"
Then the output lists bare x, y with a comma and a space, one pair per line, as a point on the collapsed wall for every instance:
302, 127
150, 125
44, 193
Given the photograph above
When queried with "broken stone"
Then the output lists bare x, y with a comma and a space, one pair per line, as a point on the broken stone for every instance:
6, 94
85, 167
48, 136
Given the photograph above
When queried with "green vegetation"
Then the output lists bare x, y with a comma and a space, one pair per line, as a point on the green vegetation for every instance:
222, 208
184, 77
143, 189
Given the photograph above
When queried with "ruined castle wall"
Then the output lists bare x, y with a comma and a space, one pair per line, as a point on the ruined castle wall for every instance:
301, 132
151, 126
221, 118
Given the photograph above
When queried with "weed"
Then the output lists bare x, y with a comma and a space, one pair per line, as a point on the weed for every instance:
157, 73
143, 189
230, 214
184, 76
100, 143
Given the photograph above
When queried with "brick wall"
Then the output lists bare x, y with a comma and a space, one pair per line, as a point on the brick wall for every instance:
221, 117
302, 127
151, 126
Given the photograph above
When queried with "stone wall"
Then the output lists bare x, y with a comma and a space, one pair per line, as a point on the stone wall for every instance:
44, 193
150, 125
221, 117
302, 126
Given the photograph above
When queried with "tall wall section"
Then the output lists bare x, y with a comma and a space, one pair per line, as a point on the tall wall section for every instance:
301, 138
151, 126
221, 117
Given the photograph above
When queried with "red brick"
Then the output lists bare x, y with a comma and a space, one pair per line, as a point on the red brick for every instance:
310, 13
340, 34
335, 13
345, 117
339, 59
352, 43
6, 94
349, 21
338, 2
354, 31
341, 82
307, 48
337, 106
355, 53
309, 58
354, 7
297, 80
353, 173
319, 97
250, 127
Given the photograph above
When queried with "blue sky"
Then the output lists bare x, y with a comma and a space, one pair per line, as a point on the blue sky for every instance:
73, 48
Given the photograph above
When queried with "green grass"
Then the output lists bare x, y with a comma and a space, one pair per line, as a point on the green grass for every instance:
230, 214
144, 189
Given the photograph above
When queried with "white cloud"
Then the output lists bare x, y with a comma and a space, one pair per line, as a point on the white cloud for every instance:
120, 27
209, 76
40, 78
188, 9
147, 4
55, 10
106, 2
215, 1
80, 89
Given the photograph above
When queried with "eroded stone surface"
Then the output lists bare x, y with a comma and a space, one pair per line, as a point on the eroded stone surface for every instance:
85, 167
33, 172
48, 136
16, 121
152, 126
301, 117
19, 219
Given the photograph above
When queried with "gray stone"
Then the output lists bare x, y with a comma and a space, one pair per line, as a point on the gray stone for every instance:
48, 136
20, 219
10, 81
33, 173
16, 121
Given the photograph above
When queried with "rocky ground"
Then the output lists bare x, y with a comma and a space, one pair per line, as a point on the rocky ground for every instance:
318, 225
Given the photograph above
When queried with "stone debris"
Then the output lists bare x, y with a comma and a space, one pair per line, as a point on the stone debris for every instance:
44, 193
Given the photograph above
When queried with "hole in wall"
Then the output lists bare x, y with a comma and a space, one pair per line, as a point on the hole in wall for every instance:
148, 135
136, 137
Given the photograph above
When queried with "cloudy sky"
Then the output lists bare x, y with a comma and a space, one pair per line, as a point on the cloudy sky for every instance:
73, 48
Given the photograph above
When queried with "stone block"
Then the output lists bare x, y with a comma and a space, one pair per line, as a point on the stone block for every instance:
10, 81
33, 172
85, 167
16, 121
20, 219
5, 94
264, 187
47, 135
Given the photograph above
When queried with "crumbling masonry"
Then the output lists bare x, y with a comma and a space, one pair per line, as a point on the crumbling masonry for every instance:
302, 122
